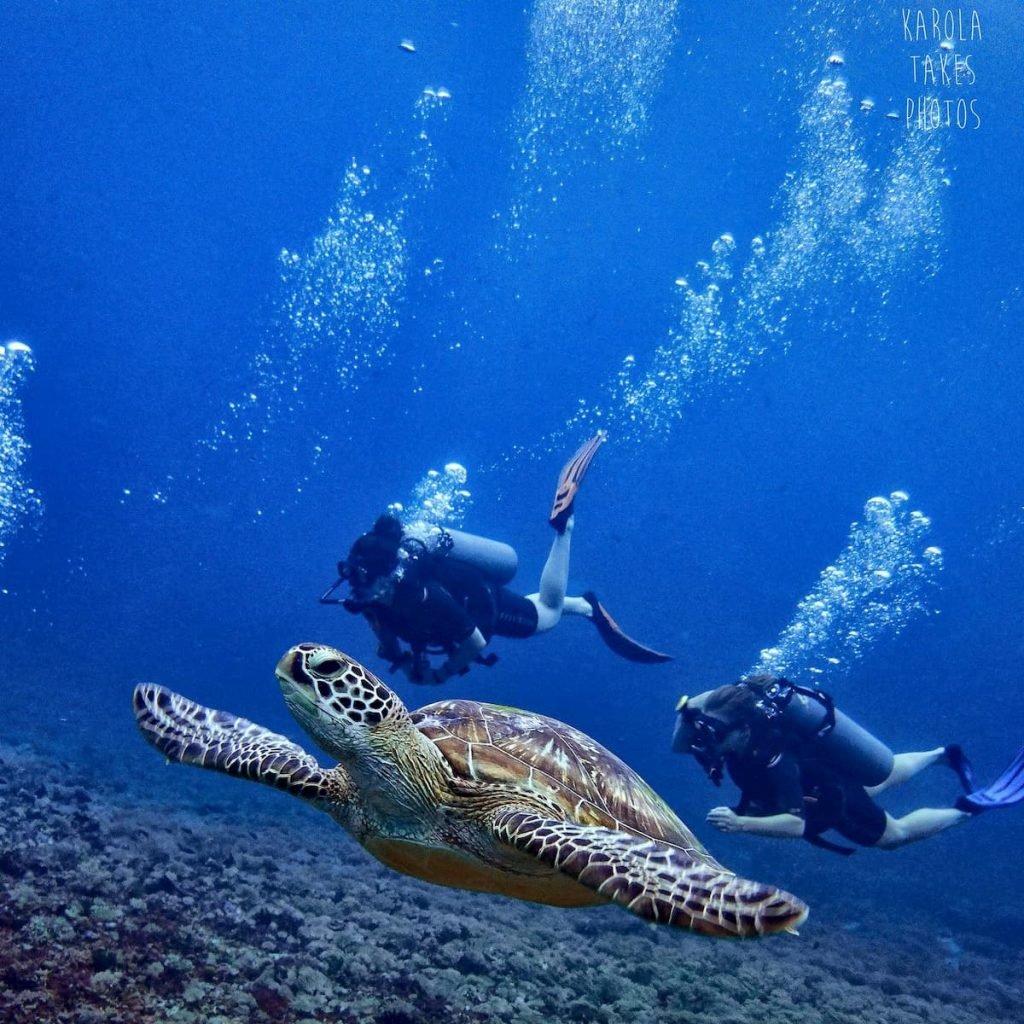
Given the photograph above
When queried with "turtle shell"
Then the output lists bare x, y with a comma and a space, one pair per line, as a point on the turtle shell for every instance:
491, 743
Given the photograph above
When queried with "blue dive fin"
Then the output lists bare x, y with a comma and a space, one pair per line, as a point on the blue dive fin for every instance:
1006, 791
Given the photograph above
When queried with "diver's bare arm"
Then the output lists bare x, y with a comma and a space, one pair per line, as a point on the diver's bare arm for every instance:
774, 826
388, 646
464, 655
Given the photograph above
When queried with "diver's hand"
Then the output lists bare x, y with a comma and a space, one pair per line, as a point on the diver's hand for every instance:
725, 819
392, 652
416, 670
439, 675
403, 662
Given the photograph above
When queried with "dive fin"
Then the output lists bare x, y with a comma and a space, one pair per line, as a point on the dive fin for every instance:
1006, 791
570, 479
616, 639
960, 763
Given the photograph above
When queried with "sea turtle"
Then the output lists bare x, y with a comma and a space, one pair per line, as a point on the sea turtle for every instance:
475, 796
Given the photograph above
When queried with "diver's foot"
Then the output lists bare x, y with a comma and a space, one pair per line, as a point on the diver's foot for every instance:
959, 762
963, 803
613, 636
570, 479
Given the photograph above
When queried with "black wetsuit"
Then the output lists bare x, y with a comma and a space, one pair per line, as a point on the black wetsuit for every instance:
440, 601
776, 779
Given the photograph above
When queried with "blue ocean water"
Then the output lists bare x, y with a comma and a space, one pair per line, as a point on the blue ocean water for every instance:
272, 268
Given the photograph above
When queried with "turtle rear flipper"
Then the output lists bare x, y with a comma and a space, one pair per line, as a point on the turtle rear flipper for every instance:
189, 733
652, 879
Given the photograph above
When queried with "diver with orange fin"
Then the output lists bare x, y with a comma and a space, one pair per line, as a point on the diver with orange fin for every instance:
449, 595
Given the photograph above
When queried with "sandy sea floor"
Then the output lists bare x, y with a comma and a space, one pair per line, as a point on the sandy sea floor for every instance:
221, 903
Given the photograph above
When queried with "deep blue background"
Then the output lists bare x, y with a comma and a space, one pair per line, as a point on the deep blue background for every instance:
154, 161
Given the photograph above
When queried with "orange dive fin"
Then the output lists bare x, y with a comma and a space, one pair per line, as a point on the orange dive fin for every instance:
570, 479
623, 645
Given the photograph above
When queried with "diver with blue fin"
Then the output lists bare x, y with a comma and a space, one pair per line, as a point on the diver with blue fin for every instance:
804, 768
446, 592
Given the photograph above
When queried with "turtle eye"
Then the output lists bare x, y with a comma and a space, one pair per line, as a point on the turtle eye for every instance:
328, 667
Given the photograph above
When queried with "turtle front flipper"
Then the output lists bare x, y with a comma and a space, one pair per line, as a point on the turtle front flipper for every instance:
655, 880
189, 733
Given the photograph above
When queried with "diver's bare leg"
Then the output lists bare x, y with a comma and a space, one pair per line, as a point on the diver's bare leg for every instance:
906, 766
550, 601
917, 825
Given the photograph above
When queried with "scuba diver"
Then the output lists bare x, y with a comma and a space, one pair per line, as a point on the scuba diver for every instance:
445, 593
804, 768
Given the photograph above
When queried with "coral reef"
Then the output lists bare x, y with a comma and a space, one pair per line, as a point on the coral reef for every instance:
118, 904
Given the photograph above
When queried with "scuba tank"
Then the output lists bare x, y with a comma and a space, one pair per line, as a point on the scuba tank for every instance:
810, 716
495, 559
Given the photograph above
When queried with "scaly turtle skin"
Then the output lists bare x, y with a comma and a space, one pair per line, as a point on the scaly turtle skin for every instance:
473, 796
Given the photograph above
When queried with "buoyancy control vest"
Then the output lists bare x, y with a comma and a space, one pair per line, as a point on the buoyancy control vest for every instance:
807, 719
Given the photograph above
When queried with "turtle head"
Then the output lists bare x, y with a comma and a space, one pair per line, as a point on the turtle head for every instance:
337, 701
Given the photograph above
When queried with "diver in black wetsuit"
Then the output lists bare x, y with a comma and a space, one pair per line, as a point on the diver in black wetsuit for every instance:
804, 768
437, 599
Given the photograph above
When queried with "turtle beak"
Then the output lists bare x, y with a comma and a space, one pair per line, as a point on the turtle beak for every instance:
297, 688
291, 669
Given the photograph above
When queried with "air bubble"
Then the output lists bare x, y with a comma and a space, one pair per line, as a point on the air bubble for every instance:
342, 297
592, 72
19, 501
876, 585
840, 220
439, 499
877, 509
